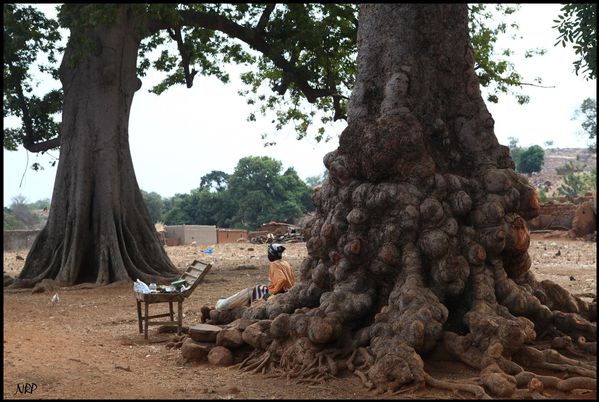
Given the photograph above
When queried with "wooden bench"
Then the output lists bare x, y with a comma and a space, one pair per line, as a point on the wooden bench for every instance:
193, 275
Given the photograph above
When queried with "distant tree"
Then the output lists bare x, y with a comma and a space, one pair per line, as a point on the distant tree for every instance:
213, 208
155, 205
513, 142
253, 184
515, 150
22, 212
296, 197
313, 181
577, 24
543, 196
548, 143
40, 204
215, 181
531, 160
577, 184
177, 211
255, 193
11, 222
527, 160
263, 194
588, 111
201, 207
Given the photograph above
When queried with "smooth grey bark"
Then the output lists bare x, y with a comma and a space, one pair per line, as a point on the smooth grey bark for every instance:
98, 229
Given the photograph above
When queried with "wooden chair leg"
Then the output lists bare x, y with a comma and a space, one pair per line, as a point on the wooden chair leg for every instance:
146, 321
170, 307
179, 317
139, 316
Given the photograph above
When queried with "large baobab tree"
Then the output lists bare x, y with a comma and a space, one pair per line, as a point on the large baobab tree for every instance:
99, 229
420, 240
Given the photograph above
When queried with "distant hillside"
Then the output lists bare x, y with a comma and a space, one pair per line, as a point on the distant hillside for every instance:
555, 161
24, 219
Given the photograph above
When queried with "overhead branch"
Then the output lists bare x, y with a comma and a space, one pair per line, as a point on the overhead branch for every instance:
256, 39
40, 146
339, 115
537, 85
176, 35
264, 17
29, 142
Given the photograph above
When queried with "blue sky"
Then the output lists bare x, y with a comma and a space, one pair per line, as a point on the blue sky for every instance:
183, 134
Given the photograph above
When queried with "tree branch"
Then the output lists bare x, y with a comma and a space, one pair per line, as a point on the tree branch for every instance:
178, 37
29, 138
537, 85
264, 17
41, 146
256, 39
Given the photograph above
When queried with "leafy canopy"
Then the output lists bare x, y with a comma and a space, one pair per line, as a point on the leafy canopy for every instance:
255, 193
577, 184
291, 53
531, 160
588, 113
577, 25
527, 160
495, 71
27, 35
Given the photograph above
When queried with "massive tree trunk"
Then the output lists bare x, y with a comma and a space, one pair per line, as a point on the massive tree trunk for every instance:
420, 239
99, 229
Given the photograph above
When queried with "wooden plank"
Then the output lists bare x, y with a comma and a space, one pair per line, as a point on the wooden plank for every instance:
163, 323
192, 275
159, 297
160, 315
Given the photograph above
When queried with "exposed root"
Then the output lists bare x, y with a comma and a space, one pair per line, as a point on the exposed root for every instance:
297, 361
364, 359
566, 343
476, 390
250, 357
367, 384
410, 389
552, 360
540, 382
333, 367
256, 366
575, 325
350, 361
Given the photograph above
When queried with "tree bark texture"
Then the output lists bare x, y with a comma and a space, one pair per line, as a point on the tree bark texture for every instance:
99, 229
420, 238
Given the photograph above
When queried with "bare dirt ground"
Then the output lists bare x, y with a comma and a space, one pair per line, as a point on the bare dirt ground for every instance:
87, 346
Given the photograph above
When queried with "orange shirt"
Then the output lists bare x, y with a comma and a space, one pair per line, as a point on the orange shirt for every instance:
281, 276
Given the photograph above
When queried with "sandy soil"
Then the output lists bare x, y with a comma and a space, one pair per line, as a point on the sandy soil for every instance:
88, 345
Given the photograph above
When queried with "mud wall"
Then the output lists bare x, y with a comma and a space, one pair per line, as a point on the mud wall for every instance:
230, 235
19, 239
554, 217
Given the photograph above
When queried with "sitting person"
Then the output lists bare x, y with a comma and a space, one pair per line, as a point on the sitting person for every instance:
281, 279
280, 275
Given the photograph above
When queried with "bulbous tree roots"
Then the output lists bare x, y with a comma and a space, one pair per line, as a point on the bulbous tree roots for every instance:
419, 242
398, 270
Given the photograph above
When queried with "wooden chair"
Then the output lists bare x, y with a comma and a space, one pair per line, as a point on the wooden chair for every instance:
193, 275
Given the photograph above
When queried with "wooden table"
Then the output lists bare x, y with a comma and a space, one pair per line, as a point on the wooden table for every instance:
193, 275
